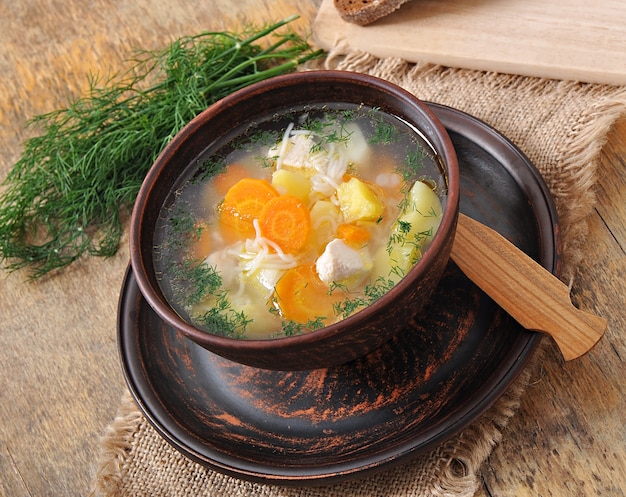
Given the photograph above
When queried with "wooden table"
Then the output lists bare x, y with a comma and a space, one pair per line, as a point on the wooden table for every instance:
60, 375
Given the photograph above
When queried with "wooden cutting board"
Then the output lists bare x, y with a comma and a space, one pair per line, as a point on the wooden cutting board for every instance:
581, 40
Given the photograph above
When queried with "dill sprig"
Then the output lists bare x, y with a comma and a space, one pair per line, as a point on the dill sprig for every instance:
66, 194
202, 281
371, 294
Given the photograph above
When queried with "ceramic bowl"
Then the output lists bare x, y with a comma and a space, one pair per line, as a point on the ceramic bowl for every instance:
356, 335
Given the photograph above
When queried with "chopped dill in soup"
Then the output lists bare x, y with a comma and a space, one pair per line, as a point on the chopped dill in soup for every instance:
298, 222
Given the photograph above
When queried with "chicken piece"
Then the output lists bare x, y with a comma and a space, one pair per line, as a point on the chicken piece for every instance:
342, 264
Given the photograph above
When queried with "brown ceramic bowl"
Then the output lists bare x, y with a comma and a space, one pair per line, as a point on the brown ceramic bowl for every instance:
356, 335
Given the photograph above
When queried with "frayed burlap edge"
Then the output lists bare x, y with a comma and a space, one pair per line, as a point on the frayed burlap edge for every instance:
115, 446
452, 469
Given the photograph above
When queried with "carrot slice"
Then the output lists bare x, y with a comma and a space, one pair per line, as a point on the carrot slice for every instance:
355, 236
302, 297
226, 179
286, 221
243, 203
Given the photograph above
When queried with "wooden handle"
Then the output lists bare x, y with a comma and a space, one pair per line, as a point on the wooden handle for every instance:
532, 295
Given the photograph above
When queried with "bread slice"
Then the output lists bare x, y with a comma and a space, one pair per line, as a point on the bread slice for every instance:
366, 11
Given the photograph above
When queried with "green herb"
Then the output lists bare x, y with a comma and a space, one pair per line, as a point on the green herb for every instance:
404, 226
400, 236
414, 162
266, 162
181, 224
325, 131
292, 328
224, 321
348, 115
371, 294
384, 133
263, 139
196, 282
398, 271
341, 135
208, 169
66, 195
334, 136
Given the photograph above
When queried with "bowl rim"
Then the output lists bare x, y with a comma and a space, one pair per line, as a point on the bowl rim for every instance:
448, 222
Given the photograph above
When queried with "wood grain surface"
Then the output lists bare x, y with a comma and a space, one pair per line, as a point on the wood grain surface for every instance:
568, 437
563, 39
60, 375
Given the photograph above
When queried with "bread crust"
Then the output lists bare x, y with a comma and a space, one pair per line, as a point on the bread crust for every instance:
364, 12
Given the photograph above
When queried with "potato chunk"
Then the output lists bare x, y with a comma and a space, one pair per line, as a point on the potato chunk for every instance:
411, 233
291, 183
358, 201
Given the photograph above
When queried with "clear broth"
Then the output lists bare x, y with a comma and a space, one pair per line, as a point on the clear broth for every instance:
210, 294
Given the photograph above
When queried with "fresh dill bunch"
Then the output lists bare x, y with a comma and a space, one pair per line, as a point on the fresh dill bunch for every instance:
67, 193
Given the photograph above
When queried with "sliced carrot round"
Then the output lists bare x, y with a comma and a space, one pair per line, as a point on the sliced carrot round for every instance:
243, 203
286, 221
302, 297
355, 236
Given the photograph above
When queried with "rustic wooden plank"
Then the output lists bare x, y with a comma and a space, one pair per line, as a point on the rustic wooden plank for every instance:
568, 437
565, 39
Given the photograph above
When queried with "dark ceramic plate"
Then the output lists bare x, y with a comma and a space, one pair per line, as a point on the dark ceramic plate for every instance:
451, 363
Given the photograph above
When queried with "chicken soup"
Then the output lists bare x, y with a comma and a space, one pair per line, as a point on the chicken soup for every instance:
298, 221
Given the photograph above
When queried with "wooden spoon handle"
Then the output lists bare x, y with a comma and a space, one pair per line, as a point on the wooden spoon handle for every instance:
532, 295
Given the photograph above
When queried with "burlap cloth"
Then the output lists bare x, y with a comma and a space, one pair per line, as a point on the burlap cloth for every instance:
561, 126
